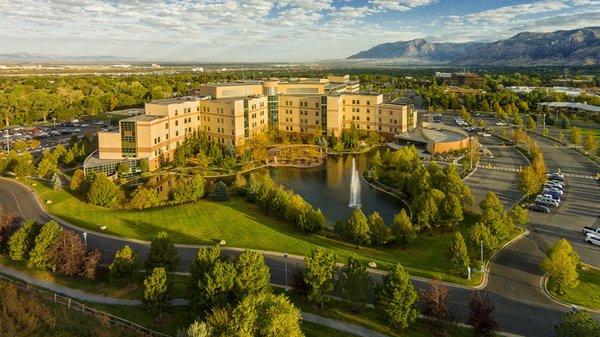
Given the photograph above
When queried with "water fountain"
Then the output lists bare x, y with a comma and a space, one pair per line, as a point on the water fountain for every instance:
354, 187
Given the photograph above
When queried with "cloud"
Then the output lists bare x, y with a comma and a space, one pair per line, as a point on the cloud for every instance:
403, 5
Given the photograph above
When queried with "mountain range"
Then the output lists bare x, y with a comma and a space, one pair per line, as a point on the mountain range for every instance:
564, 47
33, 57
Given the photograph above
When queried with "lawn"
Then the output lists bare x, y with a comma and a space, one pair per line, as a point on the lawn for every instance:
242, 224
338, 310
127, 289
587, 293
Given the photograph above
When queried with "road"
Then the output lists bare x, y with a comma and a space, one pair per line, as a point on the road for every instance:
514, 281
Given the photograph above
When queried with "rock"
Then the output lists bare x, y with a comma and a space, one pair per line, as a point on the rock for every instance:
372, 264
34, 184
222, 243
102, 228
48, 201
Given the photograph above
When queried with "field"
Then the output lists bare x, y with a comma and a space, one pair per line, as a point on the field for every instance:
587, 293
242, 224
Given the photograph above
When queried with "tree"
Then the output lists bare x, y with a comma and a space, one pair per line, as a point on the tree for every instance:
56, 183
46, 167
77, 181
561, 265
23, 315
590, 143
576, 136
252, 188
396, 299
68, 254
481, 315
143, 198
380, 234
91, 264
435, 305
104, 192
217, 287
40, 255
196, 329
355, 284
124, 263
459, 255
530, 123
402, 228
519, 215
144, 166
203, 263
189, 189
318, 275
9, 223
23, 240
561, 136
220, 192
252, 274
528, 181
425, 206
156, 291
162, 253
479, 234
451, 210
266, 315
578, 324
358, 228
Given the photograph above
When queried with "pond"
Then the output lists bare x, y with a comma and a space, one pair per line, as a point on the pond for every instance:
328, 187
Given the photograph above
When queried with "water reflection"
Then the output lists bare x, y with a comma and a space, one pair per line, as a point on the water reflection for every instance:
328, 187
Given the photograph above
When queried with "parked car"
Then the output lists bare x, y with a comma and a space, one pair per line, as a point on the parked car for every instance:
593, 239
546, 200
552, 195
554, 189
590, 230
553, 184
556, 182
539, 208
556, 176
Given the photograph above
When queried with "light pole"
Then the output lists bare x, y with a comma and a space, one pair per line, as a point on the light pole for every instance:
286, 270
481, 255
7, 136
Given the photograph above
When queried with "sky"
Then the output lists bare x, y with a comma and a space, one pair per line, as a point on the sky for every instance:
268, 31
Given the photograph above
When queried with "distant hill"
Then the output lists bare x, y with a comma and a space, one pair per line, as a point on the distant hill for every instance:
31, 57
564, 47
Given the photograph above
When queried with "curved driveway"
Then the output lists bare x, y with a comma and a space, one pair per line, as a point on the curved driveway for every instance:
521, 307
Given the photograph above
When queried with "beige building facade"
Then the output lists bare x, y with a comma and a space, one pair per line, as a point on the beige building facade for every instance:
233, 113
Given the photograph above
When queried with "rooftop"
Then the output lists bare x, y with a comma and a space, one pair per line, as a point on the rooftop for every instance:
174, 100
232, 84
572, 105
142, 118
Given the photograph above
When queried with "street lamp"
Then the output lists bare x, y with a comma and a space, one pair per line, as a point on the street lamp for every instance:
286, 270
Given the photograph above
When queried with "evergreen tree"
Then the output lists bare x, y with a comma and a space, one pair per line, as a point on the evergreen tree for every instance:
380, 234
459, 254
396, 299
252, 274
266, 315
561, 265
124, 263
220, 192
252, 188
402, 228
202, 264
355, 284
358, 228
162, 253
40, 255
217, 288
156, 294
56, 183
318, 275
23, 240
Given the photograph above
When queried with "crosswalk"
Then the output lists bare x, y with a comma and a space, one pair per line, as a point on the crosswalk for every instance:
513, 169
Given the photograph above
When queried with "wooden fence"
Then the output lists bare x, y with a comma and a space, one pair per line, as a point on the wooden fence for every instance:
103, 317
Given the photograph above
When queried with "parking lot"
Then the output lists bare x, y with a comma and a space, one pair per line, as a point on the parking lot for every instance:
51, 135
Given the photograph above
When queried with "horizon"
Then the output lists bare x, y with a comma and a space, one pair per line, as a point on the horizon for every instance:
287, 31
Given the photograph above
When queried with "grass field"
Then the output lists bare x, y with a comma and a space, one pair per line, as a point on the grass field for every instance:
242, 224
587, 293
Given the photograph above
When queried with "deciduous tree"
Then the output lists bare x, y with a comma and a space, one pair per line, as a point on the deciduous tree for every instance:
23, 240
162, 253
561, 265
578, 324
358, 228
435, 303
156, 294
124, 263
481, 315
40, 256
68, 254
459, 255
252, 274
355, 284
396, 299
318, 275
402, 228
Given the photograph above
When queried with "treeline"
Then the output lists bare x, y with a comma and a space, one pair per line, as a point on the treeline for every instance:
284, 204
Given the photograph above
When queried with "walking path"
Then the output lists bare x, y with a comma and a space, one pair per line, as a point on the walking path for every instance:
87, 297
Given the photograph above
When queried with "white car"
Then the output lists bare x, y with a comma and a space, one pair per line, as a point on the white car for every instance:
555, 190
593, 239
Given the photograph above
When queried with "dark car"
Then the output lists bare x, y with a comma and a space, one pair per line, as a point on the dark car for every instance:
539, 208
